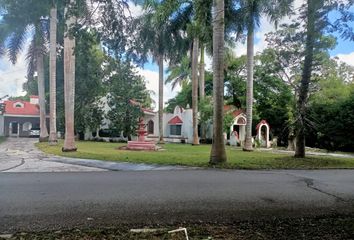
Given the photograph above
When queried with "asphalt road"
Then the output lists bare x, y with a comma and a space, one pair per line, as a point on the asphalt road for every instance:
37, 201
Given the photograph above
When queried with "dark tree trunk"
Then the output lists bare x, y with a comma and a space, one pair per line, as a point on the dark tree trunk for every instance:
305, 79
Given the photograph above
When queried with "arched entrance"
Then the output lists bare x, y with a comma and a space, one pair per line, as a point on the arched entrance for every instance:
263, 133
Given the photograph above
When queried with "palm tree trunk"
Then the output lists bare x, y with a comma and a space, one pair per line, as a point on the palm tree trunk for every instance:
43, 137
69, 87
218, 154
305, 79
195, 90
52, 74
160, 63
249, 97
202, 72
202, 83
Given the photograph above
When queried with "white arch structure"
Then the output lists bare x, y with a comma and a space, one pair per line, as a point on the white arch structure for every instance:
259, 126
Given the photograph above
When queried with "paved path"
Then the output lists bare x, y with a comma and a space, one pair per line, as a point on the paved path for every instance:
21, 155
35, 201
326, 154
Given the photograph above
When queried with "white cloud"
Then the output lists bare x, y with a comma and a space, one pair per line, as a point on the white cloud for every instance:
152, 83
12, 76
347, 58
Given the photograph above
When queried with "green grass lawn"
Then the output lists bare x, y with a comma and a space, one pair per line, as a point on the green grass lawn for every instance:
2, 139
188, 155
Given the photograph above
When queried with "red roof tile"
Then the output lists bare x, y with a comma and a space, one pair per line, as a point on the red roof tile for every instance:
27, 109
175, 121
231, 109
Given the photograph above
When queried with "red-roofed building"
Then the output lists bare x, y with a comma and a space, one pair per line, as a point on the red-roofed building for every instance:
19, 117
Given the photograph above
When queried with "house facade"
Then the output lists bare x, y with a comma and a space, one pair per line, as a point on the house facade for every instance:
178, 126
19, 117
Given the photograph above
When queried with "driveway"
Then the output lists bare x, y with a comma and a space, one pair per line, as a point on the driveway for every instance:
21, 155
44, 201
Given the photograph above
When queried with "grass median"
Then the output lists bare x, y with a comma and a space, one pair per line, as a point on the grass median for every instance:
198, 156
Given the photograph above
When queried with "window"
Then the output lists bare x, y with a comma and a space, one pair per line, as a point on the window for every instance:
18, 105
150, 127
176, 130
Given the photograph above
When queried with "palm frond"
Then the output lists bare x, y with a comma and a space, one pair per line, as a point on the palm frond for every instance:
31, 59
16, 43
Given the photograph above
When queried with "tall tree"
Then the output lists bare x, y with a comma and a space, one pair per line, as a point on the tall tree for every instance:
194, 20
195, 90
317, 24
250, 12
158, 39
218, 153
202, 72
17, 21
52, 75
69, 81
311, 35
43, 136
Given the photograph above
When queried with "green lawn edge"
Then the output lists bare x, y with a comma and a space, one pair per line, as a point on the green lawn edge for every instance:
197, 156
2, 139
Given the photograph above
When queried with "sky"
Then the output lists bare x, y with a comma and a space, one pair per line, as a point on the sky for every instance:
12, 77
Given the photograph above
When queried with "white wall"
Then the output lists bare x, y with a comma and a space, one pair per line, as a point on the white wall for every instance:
187, 127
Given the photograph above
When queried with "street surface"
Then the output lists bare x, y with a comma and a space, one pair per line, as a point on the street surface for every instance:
37, 201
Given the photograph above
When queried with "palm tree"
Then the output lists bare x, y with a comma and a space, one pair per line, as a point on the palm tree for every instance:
218, 154
202, 72
249, 13
158, 39
52, 75
69, 82
195, 90
38, 52
16, 26
312, 7
179, 73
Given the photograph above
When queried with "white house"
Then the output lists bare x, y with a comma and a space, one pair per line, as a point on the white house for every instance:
178, 126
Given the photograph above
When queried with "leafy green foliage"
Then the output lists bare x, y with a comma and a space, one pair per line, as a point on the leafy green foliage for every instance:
89, 87
205, 108
331, 113
127, 96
